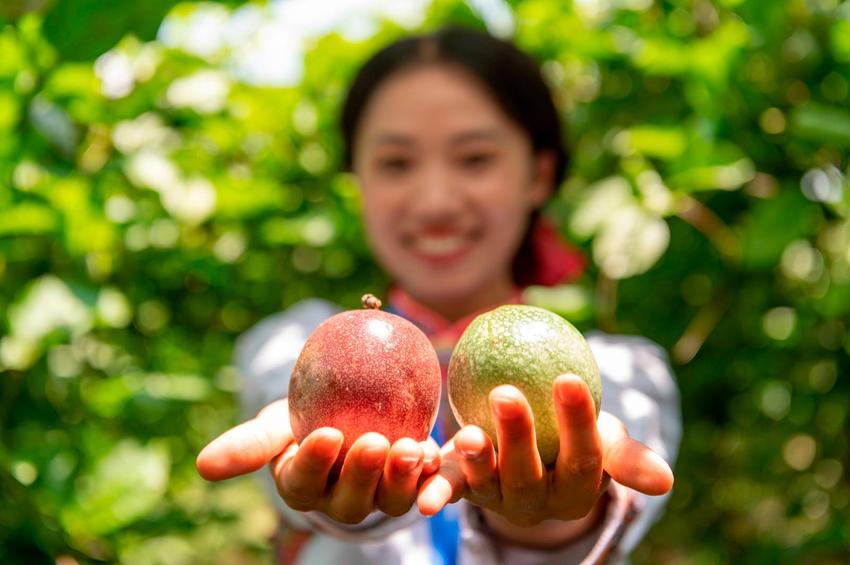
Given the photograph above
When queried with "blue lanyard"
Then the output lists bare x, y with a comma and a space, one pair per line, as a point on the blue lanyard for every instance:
445, 530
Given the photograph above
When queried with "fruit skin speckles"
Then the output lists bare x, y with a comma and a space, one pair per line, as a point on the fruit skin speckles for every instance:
365, 371
527, 347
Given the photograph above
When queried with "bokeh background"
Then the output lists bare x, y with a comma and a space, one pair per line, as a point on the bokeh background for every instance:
169, 175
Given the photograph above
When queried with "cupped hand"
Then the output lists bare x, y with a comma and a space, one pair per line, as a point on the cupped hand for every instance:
374, 474
515, 484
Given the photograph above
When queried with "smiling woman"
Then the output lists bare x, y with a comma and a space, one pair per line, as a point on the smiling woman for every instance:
456, 145
448, 184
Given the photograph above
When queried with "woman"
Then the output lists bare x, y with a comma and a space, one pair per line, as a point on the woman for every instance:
456, 145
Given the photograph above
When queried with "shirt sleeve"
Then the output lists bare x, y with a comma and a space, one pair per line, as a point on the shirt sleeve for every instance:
264, 357
638, 387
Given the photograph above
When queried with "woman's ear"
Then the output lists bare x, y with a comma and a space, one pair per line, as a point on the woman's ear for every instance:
543, 178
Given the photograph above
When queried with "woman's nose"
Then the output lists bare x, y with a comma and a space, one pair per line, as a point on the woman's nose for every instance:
436, 192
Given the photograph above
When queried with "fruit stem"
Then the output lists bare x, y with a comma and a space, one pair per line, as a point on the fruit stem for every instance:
370, 302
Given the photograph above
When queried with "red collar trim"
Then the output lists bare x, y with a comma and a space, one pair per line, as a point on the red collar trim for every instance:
433, 323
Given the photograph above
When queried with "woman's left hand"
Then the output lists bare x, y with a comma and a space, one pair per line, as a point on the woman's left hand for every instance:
514, 482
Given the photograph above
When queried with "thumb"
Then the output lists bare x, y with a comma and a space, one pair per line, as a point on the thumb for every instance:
447, 485
248, 446
631, 463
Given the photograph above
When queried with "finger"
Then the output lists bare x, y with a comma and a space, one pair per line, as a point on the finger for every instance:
397, 489
578, 469
248, 446
431, 457
520, 468
353, 497
302, 477
446, 485
478, 463
630, 462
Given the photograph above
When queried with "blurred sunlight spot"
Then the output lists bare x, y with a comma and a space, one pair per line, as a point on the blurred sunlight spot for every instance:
201, 31
306, 259
822, 376
114, 308
120, 209
778, 323
776, 400
823, 185
27, 175
152, 169
630, 243
799, 451
767, 514
816, 504
147, 130
656, 196
64, 361
318, 231
264, 45
115, 72
801, 261
497, 16
772, 121
204, 91
191, 388
25, 472
136, 237
17, 353
594, 208
305, 118
152, 316
313, 158
828, 472
47, 305
163, 233
192, 201
593, 10
230, 247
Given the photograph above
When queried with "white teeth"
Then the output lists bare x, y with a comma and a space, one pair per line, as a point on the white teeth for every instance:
439, 245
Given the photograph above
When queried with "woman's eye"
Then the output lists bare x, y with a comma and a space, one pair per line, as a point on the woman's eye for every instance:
476, 160
394, 165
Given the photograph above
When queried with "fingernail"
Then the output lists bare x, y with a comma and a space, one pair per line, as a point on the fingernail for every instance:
504, 406
327, 446
567, 393
407, 463
373, 457
470, 453
657, 460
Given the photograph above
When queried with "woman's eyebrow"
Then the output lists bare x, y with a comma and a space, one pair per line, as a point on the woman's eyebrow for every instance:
489, 134
390, 138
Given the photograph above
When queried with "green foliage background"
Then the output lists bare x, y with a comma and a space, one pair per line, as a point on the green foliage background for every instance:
141, 231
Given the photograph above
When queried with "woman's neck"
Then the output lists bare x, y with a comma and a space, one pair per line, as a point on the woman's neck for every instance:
456, 308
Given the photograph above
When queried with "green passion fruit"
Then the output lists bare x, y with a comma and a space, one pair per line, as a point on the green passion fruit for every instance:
527, 347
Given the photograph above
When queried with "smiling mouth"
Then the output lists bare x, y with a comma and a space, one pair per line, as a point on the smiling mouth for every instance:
440, 249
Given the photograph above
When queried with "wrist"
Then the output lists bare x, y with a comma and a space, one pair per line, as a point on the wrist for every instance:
549, 534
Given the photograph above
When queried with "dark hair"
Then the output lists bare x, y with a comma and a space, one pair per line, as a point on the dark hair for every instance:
511, 77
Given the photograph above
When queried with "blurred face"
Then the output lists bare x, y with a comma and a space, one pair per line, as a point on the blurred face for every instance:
448, 182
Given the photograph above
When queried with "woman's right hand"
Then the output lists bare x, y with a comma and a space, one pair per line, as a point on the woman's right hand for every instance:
374, 474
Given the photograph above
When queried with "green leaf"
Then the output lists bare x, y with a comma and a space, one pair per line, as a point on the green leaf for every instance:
27, 218
126, 484
775, 223
822, 124
664, 142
